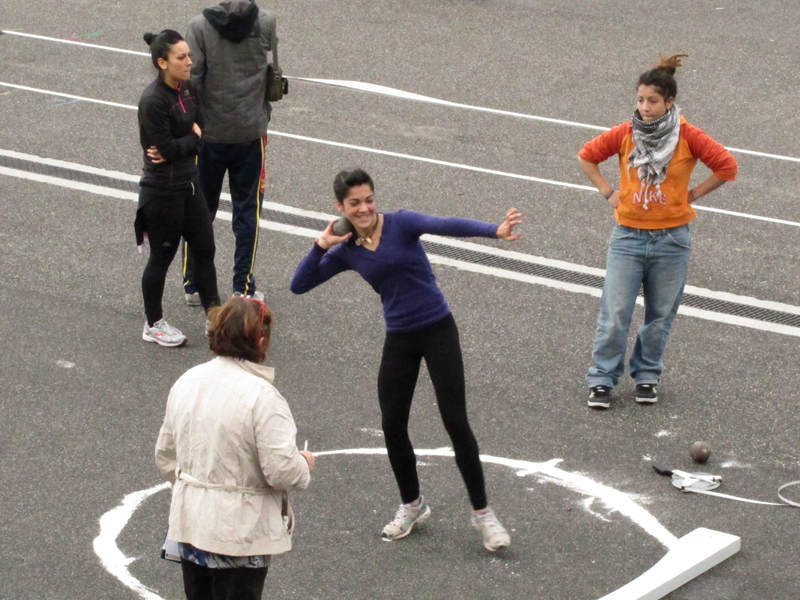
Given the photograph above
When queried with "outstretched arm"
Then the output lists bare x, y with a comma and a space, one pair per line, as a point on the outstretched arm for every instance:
419, 224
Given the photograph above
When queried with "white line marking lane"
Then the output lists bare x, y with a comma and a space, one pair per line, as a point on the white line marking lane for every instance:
415, 158
114, 521
389, 91
284, 208
459, 264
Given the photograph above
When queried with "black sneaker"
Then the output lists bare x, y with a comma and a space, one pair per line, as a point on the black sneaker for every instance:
600, 396
646, 393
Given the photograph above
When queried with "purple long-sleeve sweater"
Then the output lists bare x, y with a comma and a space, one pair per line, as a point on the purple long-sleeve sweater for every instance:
398, 269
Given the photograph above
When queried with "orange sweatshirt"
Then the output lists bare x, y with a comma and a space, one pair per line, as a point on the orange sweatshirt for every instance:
670, 206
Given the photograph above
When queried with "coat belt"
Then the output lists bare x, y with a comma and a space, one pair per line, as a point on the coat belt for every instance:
225, 487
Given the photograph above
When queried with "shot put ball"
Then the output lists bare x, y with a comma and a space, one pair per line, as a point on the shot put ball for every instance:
700, 451
342, 226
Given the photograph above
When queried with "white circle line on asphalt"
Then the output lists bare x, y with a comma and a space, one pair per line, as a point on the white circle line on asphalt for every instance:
105, 544
114, 521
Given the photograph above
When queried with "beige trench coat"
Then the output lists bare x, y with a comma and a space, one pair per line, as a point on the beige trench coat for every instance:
228, 446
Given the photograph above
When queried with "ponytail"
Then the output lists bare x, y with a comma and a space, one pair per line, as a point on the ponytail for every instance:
161, 43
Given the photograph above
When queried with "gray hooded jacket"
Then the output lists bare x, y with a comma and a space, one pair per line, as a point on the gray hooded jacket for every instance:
230, 43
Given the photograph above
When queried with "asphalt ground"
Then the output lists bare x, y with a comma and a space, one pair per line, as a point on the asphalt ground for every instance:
82, 396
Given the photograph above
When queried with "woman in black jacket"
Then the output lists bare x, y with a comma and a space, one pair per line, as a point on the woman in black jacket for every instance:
170, 202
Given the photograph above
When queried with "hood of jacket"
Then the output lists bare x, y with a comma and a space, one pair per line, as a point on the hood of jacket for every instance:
233, 19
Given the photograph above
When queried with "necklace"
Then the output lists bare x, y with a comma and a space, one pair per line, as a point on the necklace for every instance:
368, 237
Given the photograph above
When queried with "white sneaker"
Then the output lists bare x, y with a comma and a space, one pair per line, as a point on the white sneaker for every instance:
193, 299
257, 295
494, 534
163, 334
407, 516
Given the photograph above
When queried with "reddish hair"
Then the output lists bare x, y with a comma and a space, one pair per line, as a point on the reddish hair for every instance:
237, 328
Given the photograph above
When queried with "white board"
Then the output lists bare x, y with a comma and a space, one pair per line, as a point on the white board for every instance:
693, 554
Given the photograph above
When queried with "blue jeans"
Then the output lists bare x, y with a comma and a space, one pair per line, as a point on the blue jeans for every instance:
658, 261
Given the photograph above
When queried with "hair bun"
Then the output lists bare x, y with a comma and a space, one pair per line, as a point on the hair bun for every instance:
670, 63
149, 37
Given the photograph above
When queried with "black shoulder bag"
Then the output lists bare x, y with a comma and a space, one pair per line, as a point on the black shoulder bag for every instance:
277, 85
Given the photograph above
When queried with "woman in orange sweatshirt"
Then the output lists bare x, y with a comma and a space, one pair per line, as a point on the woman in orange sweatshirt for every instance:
651, 243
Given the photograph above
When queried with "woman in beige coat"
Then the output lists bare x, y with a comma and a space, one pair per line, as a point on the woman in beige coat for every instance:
228, 444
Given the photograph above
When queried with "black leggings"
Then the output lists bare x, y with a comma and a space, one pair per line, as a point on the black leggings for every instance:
402, 354
168, 215
202, 583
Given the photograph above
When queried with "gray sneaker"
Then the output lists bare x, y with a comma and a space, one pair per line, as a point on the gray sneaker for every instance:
163, 334
407, 516
495, 536
193, 299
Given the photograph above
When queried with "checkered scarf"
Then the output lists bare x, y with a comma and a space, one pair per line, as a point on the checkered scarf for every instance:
655, 143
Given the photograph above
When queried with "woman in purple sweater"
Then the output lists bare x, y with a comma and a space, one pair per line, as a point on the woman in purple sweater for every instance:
386, 251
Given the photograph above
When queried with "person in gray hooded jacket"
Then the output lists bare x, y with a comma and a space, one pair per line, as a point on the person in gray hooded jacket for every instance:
230, 45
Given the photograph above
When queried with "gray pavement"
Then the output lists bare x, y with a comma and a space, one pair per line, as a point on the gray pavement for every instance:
74, 440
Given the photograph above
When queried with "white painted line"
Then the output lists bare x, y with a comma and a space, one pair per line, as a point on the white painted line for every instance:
613, 499
105, 544
693, 554
745, 215
746, 300
75, 43
464, 265
433, 161
113, 522
739, 321
69, 165
63, 95
523, 277
729, 497
590, 291
528, 258
419, 158
389, 91
452, 242
576, 268
67, 183
763, 154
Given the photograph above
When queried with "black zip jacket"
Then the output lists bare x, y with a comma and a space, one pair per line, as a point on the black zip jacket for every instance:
166, 116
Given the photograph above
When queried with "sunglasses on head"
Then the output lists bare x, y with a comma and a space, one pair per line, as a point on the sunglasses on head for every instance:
263, 307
